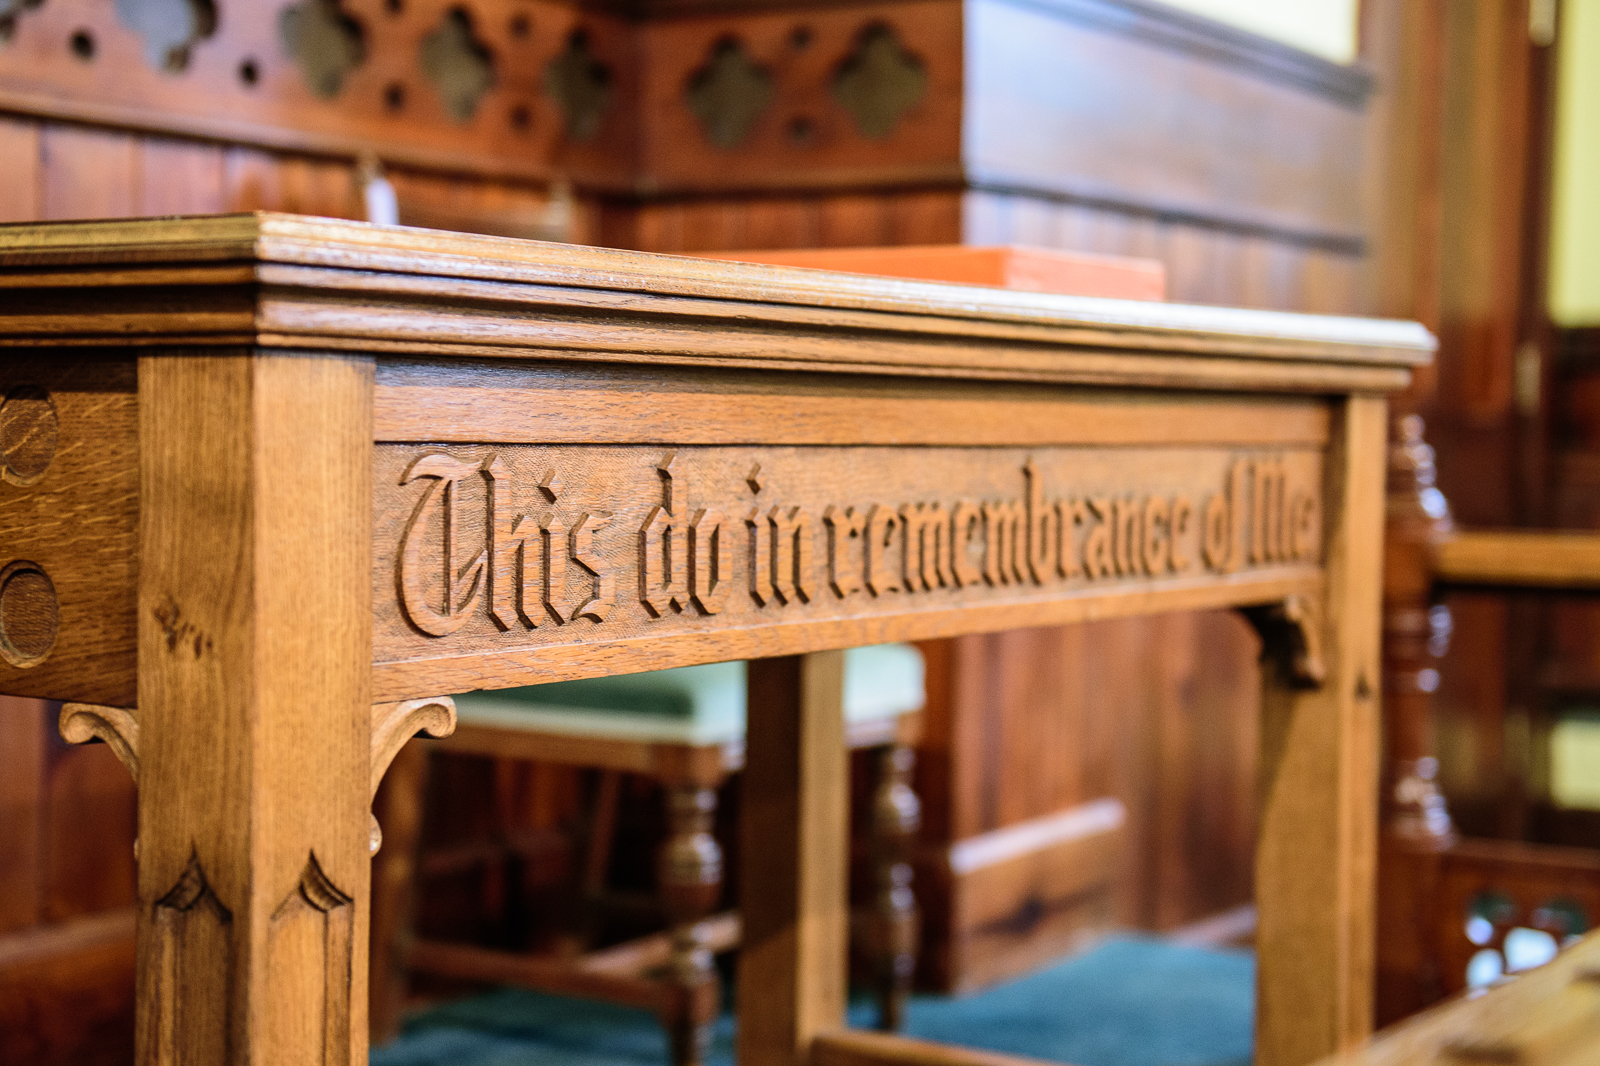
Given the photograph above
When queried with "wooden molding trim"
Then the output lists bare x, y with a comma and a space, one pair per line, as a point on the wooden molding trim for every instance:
281, 280
1069, 190
857, 1047
1218, 43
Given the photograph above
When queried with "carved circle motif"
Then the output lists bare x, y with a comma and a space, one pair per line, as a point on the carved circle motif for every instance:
30, 616
29, 432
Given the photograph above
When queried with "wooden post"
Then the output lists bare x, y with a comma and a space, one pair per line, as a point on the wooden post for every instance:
1417, 831
1316, 851
794, 858
255, 614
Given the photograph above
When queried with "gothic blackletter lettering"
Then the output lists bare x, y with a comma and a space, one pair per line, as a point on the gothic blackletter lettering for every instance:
1182, 519
1098, 559
1221, 530
793, 571
925, 527
1157, 536
882, 525
1127, 542
553, 532
663, 545
1043, 543
1070, 514
761, 544
462, 585
604, 591
1003, 541
513, 567
710, 570
844, 529
966, 521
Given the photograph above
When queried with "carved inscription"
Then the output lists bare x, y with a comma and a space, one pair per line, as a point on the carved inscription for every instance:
549, 544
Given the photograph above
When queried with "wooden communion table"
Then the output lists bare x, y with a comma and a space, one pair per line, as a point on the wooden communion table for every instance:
273, 485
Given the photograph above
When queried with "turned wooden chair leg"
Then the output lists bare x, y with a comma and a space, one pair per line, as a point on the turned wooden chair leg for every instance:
896, 816
691, 887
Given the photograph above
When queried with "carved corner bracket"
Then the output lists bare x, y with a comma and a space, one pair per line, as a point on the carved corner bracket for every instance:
1291, 635
117, 726
395, 723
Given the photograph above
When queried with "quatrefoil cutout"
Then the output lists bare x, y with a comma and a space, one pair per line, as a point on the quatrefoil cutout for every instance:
324, 41
10, 11
580, 85
879, 82
729, 94
170, 28
458, 64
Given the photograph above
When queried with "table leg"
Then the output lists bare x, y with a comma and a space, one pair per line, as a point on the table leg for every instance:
795, 835
255, 608
1317, 847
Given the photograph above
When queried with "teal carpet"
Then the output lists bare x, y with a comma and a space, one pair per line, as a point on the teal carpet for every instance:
1131, 1001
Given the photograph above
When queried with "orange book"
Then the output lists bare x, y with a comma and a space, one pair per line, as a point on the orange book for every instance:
1007, 267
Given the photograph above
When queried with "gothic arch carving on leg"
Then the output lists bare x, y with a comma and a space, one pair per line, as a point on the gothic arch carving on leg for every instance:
187, 958
1291, 635
315, 921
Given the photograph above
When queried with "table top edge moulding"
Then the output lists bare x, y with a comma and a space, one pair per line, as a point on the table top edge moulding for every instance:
280, 281
667, 375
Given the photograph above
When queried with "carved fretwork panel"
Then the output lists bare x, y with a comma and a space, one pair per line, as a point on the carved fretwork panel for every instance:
311, 932
186, 956
446, 84
669, 554
729, 94
459, 65
777, 97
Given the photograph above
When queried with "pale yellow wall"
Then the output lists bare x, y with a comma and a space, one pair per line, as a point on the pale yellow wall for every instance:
1575, 222
1323, 27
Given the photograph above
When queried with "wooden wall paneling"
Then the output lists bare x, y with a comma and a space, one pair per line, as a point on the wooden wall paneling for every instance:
926, 216
66, 993
252, 180
856, 220
20, 193
1403, 42
788, 222
1062, 102
181, 177
22, 745
90, 814
88, 173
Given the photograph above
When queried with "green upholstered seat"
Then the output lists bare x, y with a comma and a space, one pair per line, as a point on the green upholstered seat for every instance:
697, 705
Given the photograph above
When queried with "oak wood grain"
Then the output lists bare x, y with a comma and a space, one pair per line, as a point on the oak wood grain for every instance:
794, 825
1514, 559
1316, 848
855, 1047
254, 830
